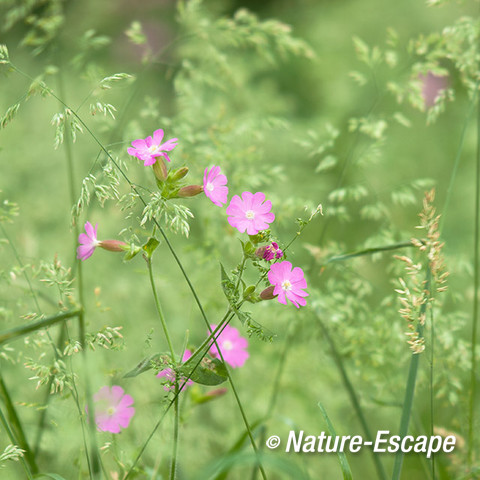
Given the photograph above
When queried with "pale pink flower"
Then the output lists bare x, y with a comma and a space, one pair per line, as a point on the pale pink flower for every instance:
432, 87
113, 409
214, 186
272, 251
88, 242
149, 148
169, 375
250, 212
232, 346
288, 283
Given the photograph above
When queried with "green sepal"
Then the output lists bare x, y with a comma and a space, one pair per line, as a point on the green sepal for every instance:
150, 246
132, 252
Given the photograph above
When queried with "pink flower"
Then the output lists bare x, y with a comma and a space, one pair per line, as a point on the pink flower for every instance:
214, 186
169, 375
88, 242
232, 346
288, 283
432, 87
272, 251
250, 213
112, 409
147, 149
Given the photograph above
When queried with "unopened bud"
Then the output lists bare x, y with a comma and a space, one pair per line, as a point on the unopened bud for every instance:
180, 173
218, 392
190, 191
160, 169
267, 294
113, 245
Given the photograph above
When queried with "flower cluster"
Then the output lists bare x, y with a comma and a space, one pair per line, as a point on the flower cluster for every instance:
249, 213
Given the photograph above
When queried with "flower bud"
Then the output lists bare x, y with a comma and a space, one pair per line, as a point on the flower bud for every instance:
267, 294
180, 173
113, 245
160, 170
190, 191
218, 392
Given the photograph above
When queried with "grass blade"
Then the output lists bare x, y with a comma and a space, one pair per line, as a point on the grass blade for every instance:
342, 458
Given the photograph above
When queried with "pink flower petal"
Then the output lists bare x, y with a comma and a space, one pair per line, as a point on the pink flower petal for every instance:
158, 136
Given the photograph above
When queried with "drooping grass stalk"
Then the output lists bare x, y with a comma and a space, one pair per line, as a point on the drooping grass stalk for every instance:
14, 333
17, 427
20, 263
353, 397
368, 251
11, 436
410, 388
476, 284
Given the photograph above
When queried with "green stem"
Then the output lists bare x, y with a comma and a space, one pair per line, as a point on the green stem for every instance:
476, 281
353, 397
159, 309
17, 427
11, 436
275, 389
173, 466
92, 427
22, 330
43, 413
410, 389
432, 416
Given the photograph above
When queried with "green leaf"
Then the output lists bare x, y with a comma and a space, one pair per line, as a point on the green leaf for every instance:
208, 372
148, 363
151, 246
347, 473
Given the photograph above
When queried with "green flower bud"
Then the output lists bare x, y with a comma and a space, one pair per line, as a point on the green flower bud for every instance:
160, 169
180, 173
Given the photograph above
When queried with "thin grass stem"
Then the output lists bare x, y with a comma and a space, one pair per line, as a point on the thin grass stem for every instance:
17, 427
353, 396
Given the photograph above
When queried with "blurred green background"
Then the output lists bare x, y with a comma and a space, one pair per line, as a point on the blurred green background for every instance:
240, 93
